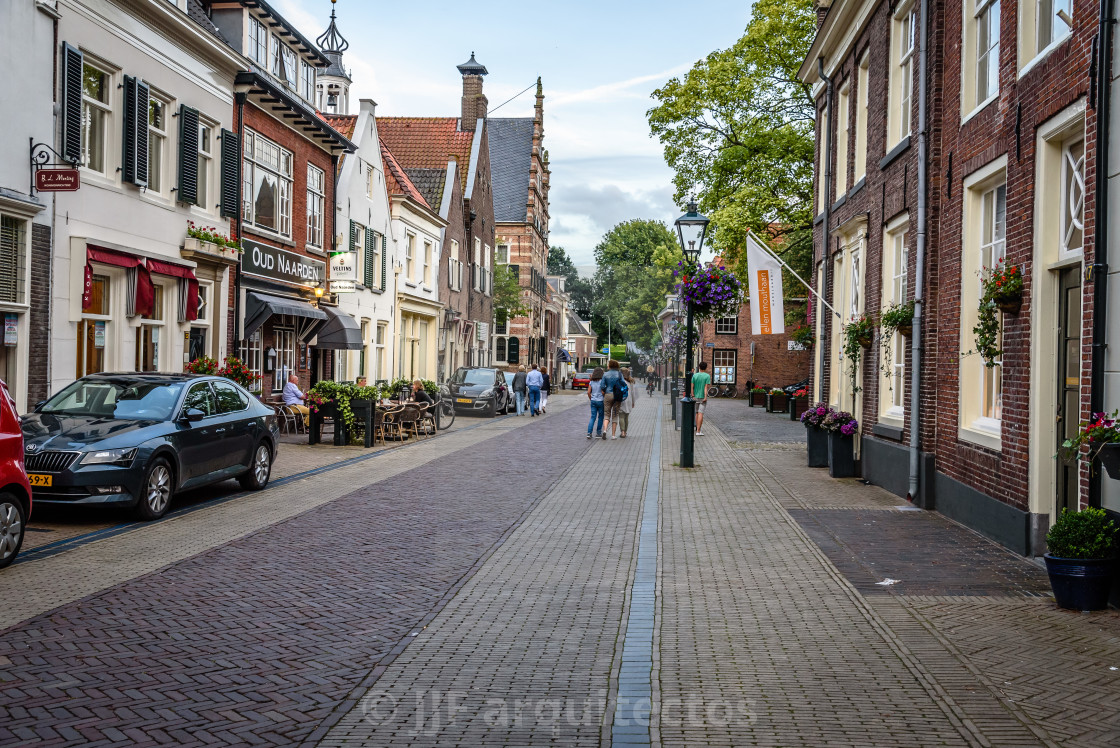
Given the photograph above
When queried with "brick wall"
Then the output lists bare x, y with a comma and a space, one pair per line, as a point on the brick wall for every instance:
39, 337
773, 364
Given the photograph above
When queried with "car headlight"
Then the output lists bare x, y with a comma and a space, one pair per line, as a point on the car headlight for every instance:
119, 457
487, 393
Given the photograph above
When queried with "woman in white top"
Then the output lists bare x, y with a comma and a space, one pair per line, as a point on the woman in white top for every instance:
627, 404
595, 396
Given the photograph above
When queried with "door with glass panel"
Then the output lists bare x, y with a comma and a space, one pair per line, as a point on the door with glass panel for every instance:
1069, 384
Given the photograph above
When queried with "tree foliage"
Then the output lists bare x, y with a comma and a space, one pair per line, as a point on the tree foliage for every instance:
508, 299
738, 129
635, 262
581, 290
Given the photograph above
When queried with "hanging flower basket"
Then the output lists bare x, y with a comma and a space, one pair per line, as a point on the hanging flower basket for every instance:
712, 292
1010, 305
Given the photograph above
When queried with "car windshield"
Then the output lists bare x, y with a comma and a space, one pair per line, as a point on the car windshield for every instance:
116, 398
473, 376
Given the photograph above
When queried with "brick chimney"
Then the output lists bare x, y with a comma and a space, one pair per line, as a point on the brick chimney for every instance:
475, 102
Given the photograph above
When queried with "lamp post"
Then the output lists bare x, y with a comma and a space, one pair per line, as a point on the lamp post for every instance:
692, 229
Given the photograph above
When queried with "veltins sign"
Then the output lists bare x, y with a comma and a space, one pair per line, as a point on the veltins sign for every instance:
344, 272
280, 264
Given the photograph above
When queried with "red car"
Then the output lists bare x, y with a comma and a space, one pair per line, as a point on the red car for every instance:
15, 491
581, 380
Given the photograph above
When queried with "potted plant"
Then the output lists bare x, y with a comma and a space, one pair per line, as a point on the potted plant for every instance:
777, 401
1003, 284
816, 438
1101, 434
758, 397
858, 334
802, 335
1081, 560
798, 403
208, 239
898, 317
841, 427
713, 291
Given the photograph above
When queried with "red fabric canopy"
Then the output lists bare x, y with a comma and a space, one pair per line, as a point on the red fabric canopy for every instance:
140, 297
167, 268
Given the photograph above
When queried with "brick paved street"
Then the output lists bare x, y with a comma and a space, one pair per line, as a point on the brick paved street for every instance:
484, 588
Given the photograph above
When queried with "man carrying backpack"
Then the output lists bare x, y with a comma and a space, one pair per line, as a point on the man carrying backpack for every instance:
615, 392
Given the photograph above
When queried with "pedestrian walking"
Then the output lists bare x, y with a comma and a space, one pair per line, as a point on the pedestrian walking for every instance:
520, 389
534, 379
595, 396
700, 384
614, 392
545, 389
627, 404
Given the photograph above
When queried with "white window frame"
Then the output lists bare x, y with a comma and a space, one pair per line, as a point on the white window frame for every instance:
895, 285
285, 355
205, 163
158, 162
316, 199
103, 111
863, 99
382, 369
251, 353
727, 325
843, 138
113, 280
258, 155
1072, 198
409, 256
257, 47
427, 269
158, 325
979, 14
1041, 30
822, 159
307, 81
848, 282
503, 254
900, 105
283, 56
18, 267
979, 412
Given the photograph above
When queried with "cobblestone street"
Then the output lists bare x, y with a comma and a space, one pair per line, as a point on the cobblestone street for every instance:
512, 583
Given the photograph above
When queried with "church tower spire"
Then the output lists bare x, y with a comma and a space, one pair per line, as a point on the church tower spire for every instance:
333, 87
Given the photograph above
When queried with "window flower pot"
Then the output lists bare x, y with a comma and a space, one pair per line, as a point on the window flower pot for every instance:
192, 243
816, 446
841, 455
797, 407
1109, 455
777, 403
1010, 304
1081, 583
758, 399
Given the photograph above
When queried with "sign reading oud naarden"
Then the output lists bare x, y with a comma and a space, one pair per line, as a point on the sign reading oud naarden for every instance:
57, 180
280, 264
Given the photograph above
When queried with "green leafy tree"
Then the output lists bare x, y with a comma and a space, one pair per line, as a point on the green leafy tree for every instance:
581, 290
508, 299
738, 129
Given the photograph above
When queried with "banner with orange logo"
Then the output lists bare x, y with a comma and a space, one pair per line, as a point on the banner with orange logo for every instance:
765, 283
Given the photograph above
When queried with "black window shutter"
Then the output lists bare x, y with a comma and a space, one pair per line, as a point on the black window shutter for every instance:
231, 173
72, 60
383, 261
514, 351
188, 156
371, 249
134, 158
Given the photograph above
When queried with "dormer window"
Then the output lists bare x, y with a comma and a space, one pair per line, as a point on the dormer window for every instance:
258, 42
284, 63
307, 82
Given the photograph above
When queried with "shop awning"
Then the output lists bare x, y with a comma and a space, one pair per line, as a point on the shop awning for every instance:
260, 306
341, 332
563, 355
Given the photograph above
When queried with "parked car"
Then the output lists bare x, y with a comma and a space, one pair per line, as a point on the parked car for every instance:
15, 491
581, 380
511, 405
478, 389
134, 440
792, 388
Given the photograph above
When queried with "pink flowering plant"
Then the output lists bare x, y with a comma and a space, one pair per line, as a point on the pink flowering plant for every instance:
211, 234
814, 416
1099, 430
713, 291
840, 422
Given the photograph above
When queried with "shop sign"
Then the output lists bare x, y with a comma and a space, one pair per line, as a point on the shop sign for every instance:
57, 180
11, 329
343, 286
483, 330
344, 267
792, 346
99, 334
280, 264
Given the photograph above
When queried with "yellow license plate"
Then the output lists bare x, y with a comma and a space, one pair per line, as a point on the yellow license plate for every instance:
39, 480
463, 400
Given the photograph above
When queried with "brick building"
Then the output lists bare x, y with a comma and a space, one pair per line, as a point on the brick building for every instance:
941, 148
735, 356
286, 224
448, 159
521, 184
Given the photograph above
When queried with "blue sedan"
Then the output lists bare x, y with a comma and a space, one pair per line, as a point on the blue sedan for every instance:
134, 440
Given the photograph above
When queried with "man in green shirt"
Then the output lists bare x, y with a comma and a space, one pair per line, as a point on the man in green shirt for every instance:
700, 384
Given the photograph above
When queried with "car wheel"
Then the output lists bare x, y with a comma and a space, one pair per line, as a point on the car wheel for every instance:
259, 471
12, 526
156, 490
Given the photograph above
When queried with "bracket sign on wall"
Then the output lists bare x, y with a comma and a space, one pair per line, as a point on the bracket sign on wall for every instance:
52, 176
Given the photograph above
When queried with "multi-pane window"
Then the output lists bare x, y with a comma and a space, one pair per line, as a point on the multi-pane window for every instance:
284, 63
316, 195
157, 138
987, 50
307, 81
992, 249
895, 271
267, 184
197, 337
454, 268
381, 372
476, 266
258, 42
96, 85
13, 258
365, 345
855, 290
723, 366
250, 352
93, 330
369, 181
409, 256
864, 99
149, 334
822, 159
205, 163
1073, 196
727, 325
842, 140
1051, 25
285, 345
906, 71
503, 254
427, 263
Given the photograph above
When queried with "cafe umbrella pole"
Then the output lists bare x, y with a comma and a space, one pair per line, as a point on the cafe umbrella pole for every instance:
696, 226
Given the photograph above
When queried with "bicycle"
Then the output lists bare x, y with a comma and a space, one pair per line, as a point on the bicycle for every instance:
650, 387
721, 390
445, 409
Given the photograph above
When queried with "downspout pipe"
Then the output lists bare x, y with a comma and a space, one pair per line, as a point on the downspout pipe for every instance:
827, 210
237, 322
920, 261
1103, 106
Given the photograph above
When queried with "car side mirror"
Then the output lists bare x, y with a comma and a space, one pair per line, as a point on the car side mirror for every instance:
192, 415
39, 405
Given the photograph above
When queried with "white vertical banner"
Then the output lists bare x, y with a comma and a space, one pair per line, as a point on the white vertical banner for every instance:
765, 284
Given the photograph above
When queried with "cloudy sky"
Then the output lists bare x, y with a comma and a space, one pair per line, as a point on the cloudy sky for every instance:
599, 61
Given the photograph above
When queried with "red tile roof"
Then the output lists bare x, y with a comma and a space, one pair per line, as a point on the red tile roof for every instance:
344, 123
427, 142
396, 180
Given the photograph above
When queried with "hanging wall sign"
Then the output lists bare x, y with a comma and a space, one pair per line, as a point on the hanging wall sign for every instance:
343, 286
344, 266
280, 264
57, 180
99, 334
11, 329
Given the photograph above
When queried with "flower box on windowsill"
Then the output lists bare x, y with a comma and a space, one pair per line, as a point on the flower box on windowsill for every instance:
194, 245
1109, 455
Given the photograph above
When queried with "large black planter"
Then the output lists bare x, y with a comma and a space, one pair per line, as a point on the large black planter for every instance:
816, 445
797, 406
1110, 459
1081, 583
841, 455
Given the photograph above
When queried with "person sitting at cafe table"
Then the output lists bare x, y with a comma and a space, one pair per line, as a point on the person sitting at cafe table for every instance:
294, 397
419, 394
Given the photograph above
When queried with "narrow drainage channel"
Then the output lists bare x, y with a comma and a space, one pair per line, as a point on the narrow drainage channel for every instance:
635, 687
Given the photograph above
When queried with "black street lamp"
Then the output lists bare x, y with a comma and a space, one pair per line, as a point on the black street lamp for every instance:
692, 229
